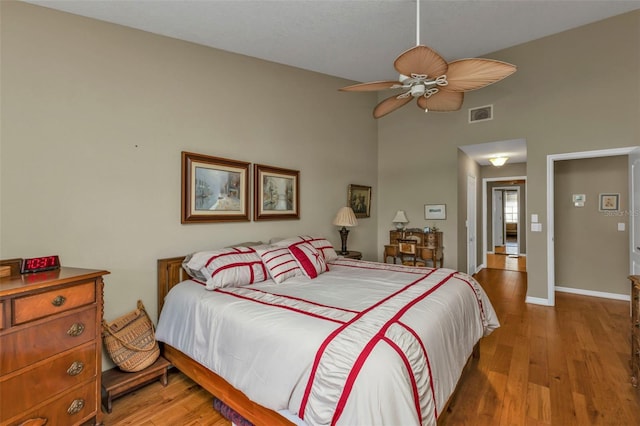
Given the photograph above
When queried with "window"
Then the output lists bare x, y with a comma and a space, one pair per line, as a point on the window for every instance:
511, 207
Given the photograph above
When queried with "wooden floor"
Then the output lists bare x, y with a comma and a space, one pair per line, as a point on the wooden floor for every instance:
562, 365
503, 261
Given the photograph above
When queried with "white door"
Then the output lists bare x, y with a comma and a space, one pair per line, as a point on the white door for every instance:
634, 221
498, 220
472, 249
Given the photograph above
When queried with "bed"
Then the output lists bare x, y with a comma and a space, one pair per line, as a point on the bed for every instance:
359, 343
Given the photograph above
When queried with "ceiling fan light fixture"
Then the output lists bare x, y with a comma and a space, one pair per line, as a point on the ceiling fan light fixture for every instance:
498, 161
417, 90
437, 85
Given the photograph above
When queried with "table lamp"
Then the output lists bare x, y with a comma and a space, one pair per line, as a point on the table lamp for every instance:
345, 218
400, 220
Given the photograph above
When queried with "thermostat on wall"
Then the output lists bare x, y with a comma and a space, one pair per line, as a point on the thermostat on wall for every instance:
579, 199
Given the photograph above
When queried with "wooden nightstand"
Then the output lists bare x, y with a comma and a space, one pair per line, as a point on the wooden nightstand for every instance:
116, 382
351, 254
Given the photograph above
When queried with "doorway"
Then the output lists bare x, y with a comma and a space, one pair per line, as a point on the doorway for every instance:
552, 202
506, 220
503, 206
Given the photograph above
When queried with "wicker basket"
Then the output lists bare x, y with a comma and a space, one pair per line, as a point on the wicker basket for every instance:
130, 340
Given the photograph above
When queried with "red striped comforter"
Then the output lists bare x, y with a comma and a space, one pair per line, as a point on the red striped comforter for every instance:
365, 343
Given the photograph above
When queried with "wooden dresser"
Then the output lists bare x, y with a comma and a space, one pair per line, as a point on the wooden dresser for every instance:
50, 347
635, 329
429, 245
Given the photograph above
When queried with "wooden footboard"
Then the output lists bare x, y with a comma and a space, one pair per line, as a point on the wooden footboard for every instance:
255, 413
170, 273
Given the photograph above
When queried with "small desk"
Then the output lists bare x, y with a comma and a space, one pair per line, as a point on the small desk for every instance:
390, 250
432, 253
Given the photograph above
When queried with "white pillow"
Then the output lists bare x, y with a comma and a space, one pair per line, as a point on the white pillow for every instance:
228, 267
279, 262
310, 260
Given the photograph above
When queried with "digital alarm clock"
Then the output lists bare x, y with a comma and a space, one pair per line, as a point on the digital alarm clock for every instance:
39, 264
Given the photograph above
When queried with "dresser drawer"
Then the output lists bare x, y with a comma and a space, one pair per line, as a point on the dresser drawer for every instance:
23, 391
1, 314
32, 344
72, 408
52, 302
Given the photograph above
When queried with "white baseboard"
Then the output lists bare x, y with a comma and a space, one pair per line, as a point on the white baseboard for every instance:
592, 293
537, 301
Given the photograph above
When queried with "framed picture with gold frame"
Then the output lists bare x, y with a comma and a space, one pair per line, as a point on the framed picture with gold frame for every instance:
359, 199
276, 193
214, 189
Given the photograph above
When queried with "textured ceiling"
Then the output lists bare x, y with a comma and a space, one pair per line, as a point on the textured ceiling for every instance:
353, 39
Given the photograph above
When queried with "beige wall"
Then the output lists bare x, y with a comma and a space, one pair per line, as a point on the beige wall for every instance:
590, 252
94, 117
560, 100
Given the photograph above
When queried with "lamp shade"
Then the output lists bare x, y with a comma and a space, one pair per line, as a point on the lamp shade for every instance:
498, 161
345, 217
401, 217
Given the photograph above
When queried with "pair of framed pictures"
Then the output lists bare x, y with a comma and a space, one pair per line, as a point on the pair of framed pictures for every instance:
216, 189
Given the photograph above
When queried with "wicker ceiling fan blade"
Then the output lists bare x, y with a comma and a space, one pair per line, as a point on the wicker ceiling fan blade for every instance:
471, 74
443, 101
421, 60
373, 86
389, 105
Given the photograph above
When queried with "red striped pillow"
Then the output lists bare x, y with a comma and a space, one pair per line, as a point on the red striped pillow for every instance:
320, 243
311, 261
279, 262
228, 267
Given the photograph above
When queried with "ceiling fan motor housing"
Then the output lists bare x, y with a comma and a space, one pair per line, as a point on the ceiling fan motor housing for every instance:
417, 90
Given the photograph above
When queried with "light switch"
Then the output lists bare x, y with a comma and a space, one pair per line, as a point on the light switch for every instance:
536, 227
621, 226
534, 219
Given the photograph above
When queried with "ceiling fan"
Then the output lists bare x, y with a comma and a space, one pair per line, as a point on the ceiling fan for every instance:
436, 84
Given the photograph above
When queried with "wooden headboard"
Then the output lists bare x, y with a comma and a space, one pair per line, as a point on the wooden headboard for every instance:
170, 273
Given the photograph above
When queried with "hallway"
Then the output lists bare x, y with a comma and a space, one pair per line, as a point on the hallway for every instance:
505, 261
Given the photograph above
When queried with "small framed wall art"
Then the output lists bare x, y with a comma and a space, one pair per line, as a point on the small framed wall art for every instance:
276, 193
609, 202
359, 199
214, 189
435, 211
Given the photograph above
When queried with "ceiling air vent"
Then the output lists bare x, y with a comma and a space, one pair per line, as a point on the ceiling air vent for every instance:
483, 113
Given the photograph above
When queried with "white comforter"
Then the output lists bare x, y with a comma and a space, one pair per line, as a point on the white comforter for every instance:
363, 344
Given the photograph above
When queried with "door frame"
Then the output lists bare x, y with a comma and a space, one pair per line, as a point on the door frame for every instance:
472, 220
485, 182
551, 267
634, 212
494, 191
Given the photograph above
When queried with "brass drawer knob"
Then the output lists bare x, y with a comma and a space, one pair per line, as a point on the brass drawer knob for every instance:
75, 368
76, 406
76, 329
58, 301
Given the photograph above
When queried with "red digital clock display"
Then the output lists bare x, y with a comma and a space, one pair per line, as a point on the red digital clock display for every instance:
38, 264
